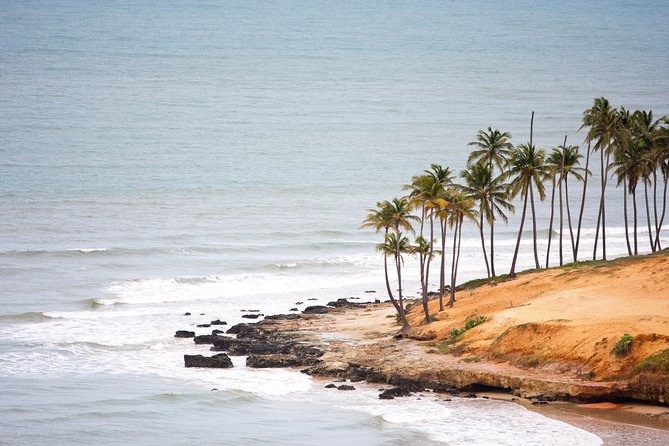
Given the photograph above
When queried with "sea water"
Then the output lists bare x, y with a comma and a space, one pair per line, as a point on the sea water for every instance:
159, 158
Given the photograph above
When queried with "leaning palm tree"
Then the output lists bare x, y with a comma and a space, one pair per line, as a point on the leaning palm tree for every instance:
527, 169
492, 196
462, 207
443, 211
394, 245
604, 128
492, 147
553, 171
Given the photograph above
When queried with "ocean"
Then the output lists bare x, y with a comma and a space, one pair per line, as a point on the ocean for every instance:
158, 158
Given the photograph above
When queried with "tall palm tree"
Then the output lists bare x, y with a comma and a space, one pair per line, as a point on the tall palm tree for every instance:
603, 123
443, 178
571, 168
492, 147
644, 130
631, 166
661, 163
554, 169
580, 214
394, 245
392, 216
462, 207
527, 170
492, 195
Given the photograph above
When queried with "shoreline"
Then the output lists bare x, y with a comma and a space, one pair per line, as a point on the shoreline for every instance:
353, 341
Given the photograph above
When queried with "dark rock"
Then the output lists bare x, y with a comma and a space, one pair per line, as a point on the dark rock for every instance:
186, 313
312, 298
343, 303
218, 322
252, 316
539, 403
356, 379
288, 317
330, 386
293, 309
299, 303
222, 343
370, 291
468, 395
201, 314
393, 392
306, 350
242, 328
245, 347
281, 360
206, 339
203, 325
220, 361
345, 387
217, 332
184, 334
316, 309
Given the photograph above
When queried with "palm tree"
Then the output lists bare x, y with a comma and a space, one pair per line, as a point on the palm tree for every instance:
444, 177
564, 162
631, 166
462, 207
392, 215
571, 167
527, 170
492, 147
554, 168
661, 163
394, 245
645, 130
603, 123
580, 215
493, 198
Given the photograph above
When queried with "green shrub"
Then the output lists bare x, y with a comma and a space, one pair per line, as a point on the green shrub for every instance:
655, 363
624, 345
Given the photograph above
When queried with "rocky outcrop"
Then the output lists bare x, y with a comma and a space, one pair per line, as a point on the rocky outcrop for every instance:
220, 361
184, 334
316, 309
279, 360
206, 339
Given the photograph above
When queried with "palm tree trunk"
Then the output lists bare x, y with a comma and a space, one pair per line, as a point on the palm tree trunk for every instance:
457, 258
390, 292
492, 241
403, 315
606, 179
601, 199
650, 233
636, 241
657, 228
664, 210
571, 230
426, 308
451, 301
442, 275
534, 226
627, 234
485, 256
550, 225
561, 218
580, 216
512, 273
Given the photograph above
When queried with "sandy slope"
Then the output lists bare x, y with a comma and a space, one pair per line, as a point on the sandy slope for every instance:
564, 321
